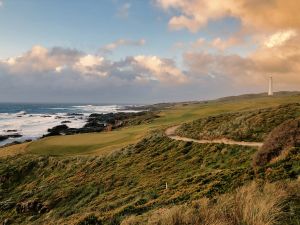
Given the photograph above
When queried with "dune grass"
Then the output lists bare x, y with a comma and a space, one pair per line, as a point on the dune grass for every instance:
252, 204
105, 143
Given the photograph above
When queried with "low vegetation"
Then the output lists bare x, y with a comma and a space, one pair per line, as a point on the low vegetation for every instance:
252, 204
252, 125
53, 190
120, 177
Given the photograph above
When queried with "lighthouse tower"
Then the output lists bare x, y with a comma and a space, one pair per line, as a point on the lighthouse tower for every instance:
270, 93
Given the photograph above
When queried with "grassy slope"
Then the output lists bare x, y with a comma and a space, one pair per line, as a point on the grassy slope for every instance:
103, 143
252, 125
128, 182
131, 181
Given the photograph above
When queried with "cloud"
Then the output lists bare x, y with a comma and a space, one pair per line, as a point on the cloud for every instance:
60, 74
40, 60
68, 74
254, 14
222, 44
1, 3
123, 11
90, 64
156, 68
279, 38
216, 44
281, 60
122, 42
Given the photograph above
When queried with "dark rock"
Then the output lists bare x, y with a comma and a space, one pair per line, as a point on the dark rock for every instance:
5, 137
14, 135
57, 130
33, 206
10, 131
99, 122
65, 121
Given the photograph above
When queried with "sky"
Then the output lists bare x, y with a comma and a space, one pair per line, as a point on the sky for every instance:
146, 51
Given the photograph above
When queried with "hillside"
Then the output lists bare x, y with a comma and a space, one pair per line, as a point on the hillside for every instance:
129, 182
120, 176
251, 125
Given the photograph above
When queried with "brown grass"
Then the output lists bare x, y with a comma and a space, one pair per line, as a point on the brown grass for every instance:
279, 141
13, 150
248, 205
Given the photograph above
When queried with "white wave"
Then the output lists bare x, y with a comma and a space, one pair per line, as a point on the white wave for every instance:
21, 113
33, 126
103, 108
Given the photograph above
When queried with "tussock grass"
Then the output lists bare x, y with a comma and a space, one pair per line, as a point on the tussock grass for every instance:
252, 204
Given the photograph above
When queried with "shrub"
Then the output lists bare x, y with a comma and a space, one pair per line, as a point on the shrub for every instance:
280, 140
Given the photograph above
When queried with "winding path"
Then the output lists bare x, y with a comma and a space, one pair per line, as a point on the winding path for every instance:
170, 132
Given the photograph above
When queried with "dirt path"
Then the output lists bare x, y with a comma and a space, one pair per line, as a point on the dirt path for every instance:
170, 132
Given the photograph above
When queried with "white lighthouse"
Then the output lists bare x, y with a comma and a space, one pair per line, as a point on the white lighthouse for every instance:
270, 93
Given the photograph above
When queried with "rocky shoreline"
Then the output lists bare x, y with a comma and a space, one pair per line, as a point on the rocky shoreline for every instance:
103, 122
95, 122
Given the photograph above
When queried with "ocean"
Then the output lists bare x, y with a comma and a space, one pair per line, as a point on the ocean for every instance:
32, 121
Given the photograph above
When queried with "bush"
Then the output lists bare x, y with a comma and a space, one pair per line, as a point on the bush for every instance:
281, 139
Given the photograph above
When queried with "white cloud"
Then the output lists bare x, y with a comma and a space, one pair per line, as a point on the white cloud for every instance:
40, 60
279, 38
89, 64
159, 69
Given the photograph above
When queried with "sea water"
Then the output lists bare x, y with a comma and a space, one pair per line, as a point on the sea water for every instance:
33, 120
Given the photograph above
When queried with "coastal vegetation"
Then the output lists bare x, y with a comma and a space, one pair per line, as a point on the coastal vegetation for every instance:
252, 125
138, 175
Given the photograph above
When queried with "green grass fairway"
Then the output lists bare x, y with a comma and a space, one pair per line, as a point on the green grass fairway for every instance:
107, 142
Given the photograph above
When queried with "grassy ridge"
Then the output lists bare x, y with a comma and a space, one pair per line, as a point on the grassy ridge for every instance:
253, 125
